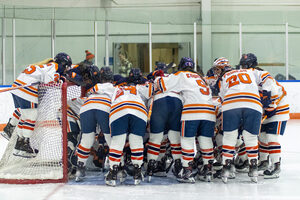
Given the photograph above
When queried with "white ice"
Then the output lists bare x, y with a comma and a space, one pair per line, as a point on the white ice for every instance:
286, 187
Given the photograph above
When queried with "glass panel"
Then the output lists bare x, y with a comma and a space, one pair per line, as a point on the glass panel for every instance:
268, 44
225, 43
130, 46
294, 58
171, 43
74, 37
33, 42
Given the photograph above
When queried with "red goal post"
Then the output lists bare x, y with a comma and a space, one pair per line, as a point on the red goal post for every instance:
49, 137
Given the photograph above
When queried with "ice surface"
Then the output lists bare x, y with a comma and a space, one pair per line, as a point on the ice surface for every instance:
286, 187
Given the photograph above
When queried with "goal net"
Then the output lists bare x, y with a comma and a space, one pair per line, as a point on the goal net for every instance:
49, 138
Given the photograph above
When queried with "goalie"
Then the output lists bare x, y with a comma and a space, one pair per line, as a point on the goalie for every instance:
26, 98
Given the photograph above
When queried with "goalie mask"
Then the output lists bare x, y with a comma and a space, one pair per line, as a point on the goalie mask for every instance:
248, 61
106, 75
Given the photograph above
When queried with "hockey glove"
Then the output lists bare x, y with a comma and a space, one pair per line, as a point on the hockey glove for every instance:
266, 98
270, 112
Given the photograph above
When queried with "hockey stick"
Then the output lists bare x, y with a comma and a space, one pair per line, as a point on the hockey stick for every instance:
18, 87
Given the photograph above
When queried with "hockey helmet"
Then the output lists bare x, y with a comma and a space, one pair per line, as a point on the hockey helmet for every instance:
63, 60
186, 63
248, 61
106, 75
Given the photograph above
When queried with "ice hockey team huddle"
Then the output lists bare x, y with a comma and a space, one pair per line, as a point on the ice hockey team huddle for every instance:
146, 126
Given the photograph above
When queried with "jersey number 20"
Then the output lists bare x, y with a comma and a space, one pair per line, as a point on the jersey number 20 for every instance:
237, 79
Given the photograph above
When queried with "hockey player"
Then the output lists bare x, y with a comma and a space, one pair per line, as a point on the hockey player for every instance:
14, 120
165, 117
198, 117
95, 111
27, 98
241, 106
128, 116
276, 108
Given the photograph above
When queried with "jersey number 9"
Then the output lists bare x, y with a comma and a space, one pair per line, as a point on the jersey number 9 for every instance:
201, 83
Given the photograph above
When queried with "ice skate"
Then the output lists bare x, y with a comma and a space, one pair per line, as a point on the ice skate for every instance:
121, 174
186, 175
205, 172
217, 168
23, 148
226, 170
8, 130
160, 170
242, 166
80, 172
177, 167
274, 173
137, 175
111, 178
263, 166
253, 170
150, 169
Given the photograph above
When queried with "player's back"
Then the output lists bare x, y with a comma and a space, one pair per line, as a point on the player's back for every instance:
130, 100
196, 95
239, 89
34, 74
99, 97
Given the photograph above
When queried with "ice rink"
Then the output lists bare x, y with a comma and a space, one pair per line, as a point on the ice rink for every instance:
286, 187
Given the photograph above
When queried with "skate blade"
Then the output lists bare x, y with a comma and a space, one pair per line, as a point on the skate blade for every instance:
231, 176
5, 135
271, 177
224, 179
137, 181
78, 179
206, 178
24, 154
189, 180
112, 183
253, 179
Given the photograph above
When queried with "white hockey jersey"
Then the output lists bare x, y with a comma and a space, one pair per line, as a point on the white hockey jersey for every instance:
160, 94
196, 95
99, 97
239, 89
35, 74
130, 100
278, 97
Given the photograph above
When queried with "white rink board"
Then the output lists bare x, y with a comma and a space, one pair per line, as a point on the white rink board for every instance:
284, 188
292, 88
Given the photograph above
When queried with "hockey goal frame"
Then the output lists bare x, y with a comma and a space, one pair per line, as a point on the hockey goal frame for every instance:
64, 178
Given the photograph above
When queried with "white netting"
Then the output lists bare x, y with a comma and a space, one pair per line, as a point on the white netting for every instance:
46, 138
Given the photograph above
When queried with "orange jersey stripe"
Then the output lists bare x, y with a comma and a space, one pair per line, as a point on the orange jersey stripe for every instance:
125, 107
198, 111
240, 100
135, 102
198, 105
241, 93
99, 102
